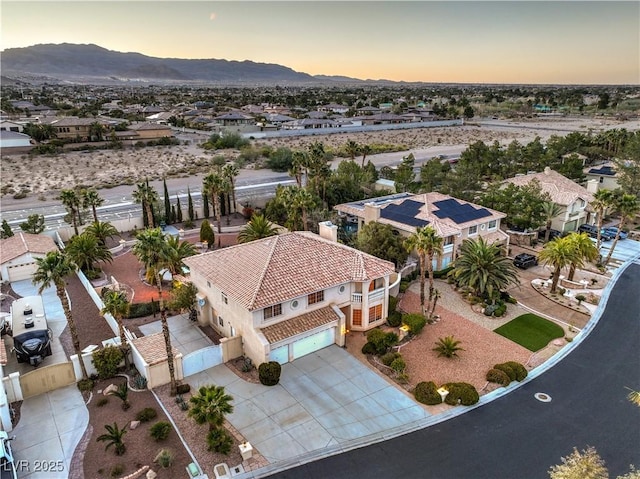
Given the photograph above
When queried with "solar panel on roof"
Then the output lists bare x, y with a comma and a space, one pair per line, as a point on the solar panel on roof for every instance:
459, 212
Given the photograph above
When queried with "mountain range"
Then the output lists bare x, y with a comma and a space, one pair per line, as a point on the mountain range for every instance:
94, 64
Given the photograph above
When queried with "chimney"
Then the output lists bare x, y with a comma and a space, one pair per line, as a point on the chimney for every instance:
328, 230
371, 212
547, 170
592, 186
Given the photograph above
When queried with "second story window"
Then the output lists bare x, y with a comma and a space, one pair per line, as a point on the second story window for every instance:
473, 230
492, 224
272, 311
225, 300
317, 297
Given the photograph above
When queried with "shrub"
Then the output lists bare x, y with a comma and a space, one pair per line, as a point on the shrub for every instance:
520, 370
427, 393
415, 322
184, 405
394, 319
508, 370
146, 414
399, 365
139, 310
269, 373
160, 430
218, 440
102, 402
85, 385
368, 348
388, 358
117, 470
183, 388
164, 458
393, 304
404, 285
448, 347
442, 273
461, 393
498, 376
381, 341
140, 382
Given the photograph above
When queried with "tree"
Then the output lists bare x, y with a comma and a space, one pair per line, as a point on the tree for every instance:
184, 297
113, 437
379, 240
34, 224
147, 197
365, 150
205, 205
210, 406
602, 200
7, 232
214, 185
177, 251
580, 465
585, 250
167, 203
550, 211
303, 201
448, 347
91, 199
96, 131
206, 234
190, 211
71, 201
259, 227
352, 149
117, 305
426, 242
628, 207
85, 250
230, 171
628, 166
468, 112
298, 166
483, 268
524, 205
52, 270
404, 176
102, 231
558, 253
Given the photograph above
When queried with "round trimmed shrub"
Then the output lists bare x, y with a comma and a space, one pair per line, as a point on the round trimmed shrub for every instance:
388, 358
381, 341
160, 430
146, 414
520, 370
498, 376
461, 393
399, 365
269, 373
219, 440
415, 322
394, 319
507, 369
427, 393
368, 348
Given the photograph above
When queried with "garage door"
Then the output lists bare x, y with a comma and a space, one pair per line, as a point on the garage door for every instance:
280, 354
19, 272
314, 342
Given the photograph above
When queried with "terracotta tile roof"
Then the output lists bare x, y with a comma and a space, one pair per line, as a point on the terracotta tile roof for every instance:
152, 348
278, 268
561, 189
299, 324
21, 243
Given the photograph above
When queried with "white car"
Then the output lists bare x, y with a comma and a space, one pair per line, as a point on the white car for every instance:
7, 465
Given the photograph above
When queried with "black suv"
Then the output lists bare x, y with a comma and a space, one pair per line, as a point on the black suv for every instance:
525, 260
593, 232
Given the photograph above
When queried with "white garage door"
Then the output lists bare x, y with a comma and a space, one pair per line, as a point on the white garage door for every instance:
19, 272
314, 342
280, 354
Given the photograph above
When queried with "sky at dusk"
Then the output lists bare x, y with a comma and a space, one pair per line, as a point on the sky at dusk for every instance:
577, 42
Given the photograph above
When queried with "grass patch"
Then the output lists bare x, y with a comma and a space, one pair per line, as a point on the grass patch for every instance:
530, 331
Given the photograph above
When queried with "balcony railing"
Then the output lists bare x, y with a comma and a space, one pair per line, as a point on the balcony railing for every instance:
373, 296
356, 297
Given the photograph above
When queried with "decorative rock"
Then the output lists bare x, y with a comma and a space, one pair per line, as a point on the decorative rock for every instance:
110, 389
151, 474
134, 424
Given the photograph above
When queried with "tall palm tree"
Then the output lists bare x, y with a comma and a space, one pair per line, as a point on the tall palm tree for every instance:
117, 305
259, 227
52, 271
210, 406
426, 242
85, 250
177, 251
483, 268
628, 207
585, 250
304, 201
96, 131
558, 253
352, 149
365, 150
602, 200
550, 210
146, 196
102, 230
71, 201
92, 199
214, 184
230, 171
298, 166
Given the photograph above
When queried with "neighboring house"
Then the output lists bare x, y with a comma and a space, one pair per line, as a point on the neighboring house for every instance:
234, 118
75, 128
334, 108
605, 176
7, 125
19, 252
454, 220
572, 198
291, 294
161, 118
307, 124
151, 131
382, 119
11, 139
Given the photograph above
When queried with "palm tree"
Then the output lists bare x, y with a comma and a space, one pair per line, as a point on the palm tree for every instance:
146, 196
113, 437
102, 231
259, 227
628, 207
71, 201
117, 305
230, 171
352, 149
550, 210
483, 268
436, 296
52, 271
304, 201
584, 249
96, 131
210, 406
448, 347
298, 166
365, 150
602, 199
426, 242
85, 250
214, 184
91, 198
177, 251
558, 253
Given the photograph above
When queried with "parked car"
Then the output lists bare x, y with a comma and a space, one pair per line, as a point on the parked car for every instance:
593, 232
612, 230
525, 260
553, 234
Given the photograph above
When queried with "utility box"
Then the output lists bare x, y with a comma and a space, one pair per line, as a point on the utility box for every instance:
246, 450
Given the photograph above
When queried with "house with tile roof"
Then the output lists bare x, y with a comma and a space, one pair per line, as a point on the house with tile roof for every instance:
18, 255
605, 176
291, 294
572, 198
453, 219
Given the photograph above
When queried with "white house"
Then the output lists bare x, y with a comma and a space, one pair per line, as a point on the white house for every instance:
19, 252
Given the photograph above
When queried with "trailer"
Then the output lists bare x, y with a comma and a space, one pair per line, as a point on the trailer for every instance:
30, 331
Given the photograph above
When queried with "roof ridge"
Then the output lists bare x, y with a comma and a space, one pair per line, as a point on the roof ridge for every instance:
256, 291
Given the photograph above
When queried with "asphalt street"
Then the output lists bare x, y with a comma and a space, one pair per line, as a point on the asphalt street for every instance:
518, 436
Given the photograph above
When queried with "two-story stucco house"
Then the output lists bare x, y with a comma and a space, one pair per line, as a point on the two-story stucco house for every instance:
453, 219
572, 198
291, 294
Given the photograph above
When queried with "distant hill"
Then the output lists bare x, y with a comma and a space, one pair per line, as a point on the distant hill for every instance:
91, 63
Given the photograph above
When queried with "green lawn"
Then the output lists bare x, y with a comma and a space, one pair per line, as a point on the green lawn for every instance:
530, 331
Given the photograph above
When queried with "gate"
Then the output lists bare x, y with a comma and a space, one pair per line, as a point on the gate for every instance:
201, 359
47, 378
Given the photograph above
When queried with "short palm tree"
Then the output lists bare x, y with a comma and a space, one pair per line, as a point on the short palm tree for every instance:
85, 250
426, 242
298, 166
550, 210
113, 437
210, 406
585, 250
352, 149
259, 227
177, 251
602, 200
102, 230
628, 207
52, 271
558, 253
117, 305
448, 347
365, 150
483, 268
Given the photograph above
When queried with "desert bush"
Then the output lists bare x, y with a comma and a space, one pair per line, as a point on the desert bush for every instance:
507, 369
106, 361
139, 310
388, 358
85, 385
398, 365
102, 402
146, 414
368, 348
164, 458
427, 393
117, 470
448, 347
269, 373
519, 369
183, 388
394, 319
393, 304
442, 273
415, 322
498, 376
160, 430
381, 341
461, 393
218, 440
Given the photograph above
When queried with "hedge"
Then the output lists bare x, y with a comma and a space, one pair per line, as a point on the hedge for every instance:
519, 369
427, 393
461, 393
415, 322
507, 369
498, 376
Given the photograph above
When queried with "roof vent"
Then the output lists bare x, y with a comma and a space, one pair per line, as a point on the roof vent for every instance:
27, 310
28, 322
